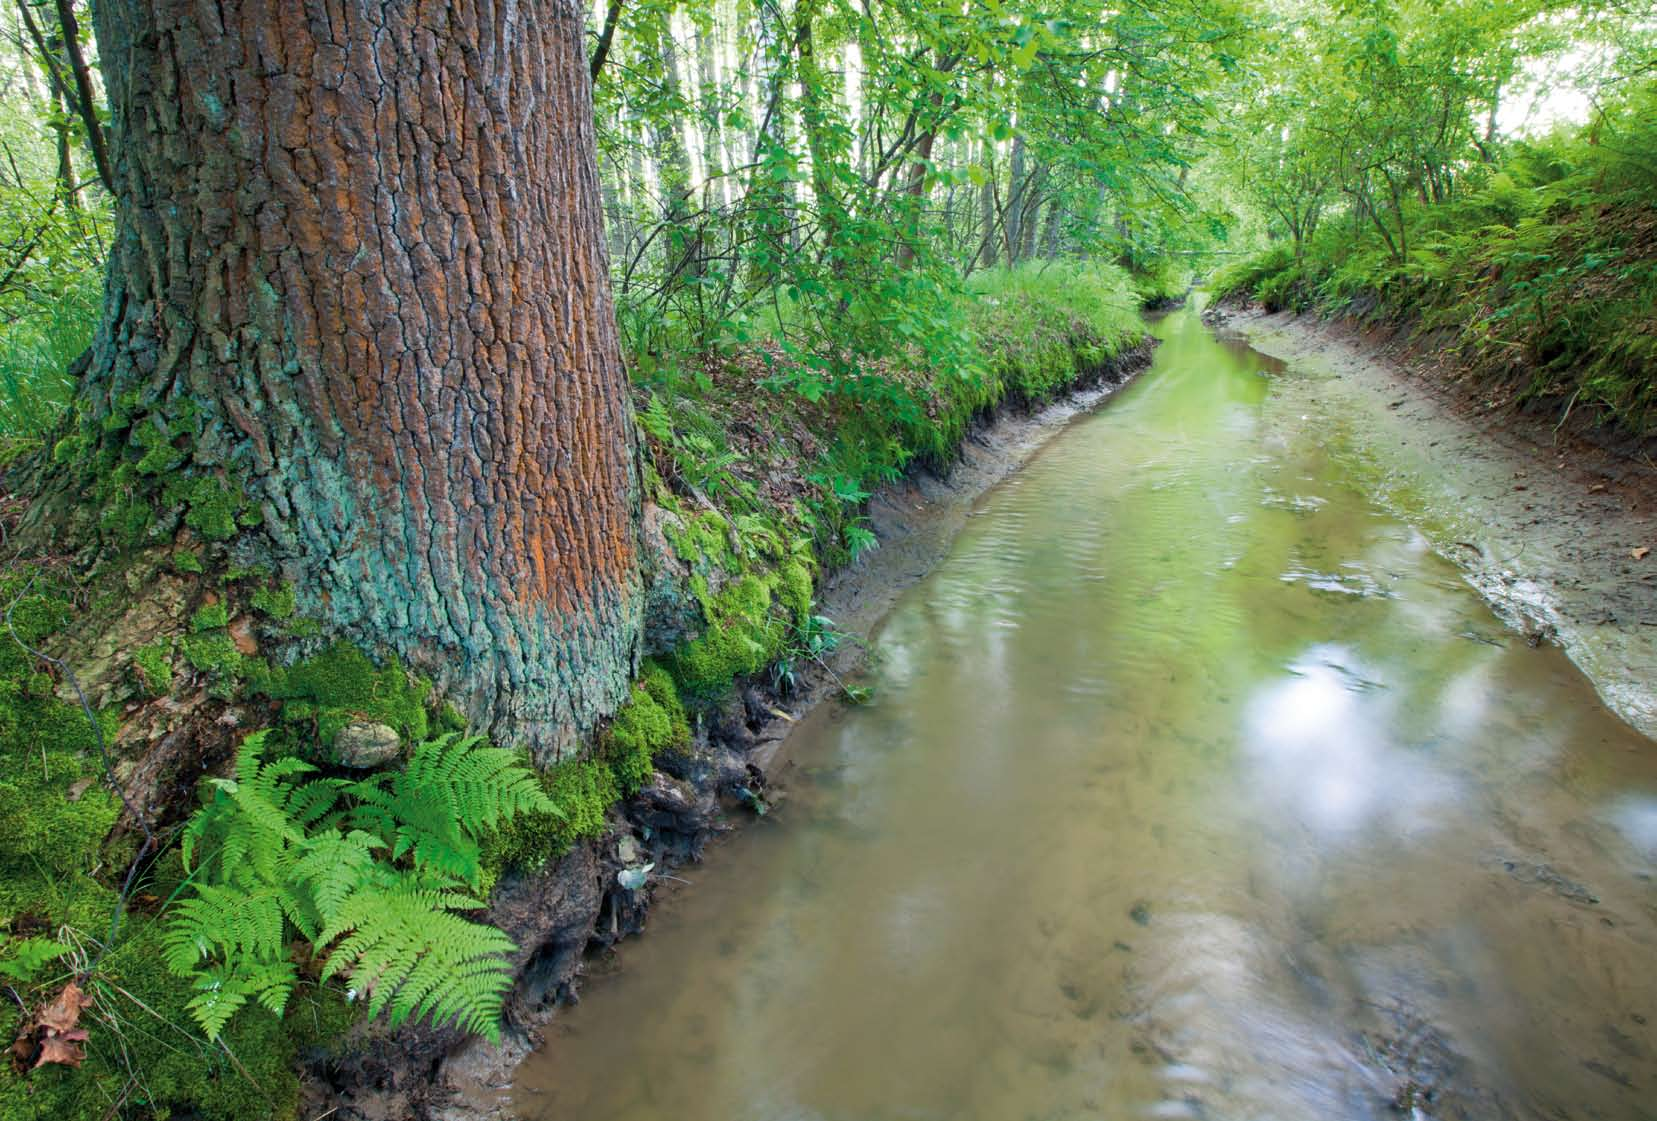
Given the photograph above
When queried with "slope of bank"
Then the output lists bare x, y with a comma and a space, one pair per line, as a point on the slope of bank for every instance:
1532, 285
762, 466
1560, 537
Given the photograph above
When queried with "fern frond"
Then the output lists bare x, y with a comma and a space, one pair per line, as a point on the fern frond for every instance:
414, 956
451, 793
330, 869
221, 990
366, 868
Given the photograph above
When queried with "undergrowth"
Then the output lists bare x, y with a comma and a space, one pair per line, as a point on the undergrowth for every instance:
1542, 280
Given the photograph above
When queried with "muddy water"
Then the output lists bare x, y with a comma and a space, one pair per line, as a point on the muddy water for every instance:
1196, 786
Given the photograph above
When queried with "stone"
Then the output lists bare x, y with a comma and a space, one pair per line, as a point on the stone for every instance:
366, 745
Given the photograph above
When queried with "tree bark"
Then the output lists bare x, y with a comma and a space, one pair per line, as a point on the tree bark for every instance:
358, 279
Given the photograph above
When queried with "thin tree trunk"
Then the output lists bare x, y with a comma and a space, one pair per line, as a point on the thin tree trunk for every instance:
1015, 202
1050, 231
68, 186
393, 341
713, 128
986, 211
85, 97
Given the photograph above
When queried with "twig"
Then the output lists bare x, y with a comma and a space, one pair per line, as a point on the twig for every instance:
1567, 414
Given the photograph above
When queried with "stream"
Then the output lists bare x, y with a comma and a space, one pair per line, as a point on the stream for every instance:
1196, 785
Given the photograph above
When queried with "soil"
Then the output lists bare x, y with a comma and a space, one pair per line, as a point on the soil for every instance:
1552, 526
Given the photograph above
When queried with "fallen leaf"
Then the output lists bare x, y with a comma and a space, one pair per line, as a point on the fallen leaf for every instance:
1640, 553
61, 1015
52, 1036
65, 1050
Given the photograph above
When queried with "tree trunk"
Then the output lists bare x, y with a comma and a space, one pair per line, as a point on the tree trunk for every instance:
1014, 230
358, 286
1050, 230
713, 128
986, 212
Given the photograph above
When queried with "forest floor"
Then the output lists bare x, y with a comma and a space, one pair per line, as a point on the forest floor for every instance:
1557, 531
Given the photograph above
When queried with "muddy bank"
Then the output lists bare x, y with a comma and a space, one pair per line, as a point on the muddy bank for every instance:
564, 914
1551, 528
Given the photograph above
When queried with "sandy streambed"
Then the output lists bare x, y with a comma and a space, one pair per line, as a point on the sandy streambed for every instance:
1547, 531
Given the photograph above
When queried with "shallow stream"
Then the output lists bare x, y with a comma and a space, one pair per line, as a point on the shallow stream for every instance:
1196, 785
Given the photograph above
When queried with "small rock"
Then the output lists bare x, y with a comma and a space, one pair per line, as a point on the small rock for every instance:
627, 849
241, 633
366, 745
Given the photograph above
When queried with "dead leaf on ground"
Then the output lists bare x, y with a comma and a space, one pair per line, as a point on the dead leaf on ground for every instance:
65, 1050
1640, 553
62, 1014
53, 1035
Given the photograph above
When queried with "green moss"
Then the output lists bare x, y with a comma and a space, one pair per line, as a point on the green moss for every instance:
57, 869
651, 721
341, 685
583, 790
214, 616
184, 561
703, 540
214, 506
742, 637
154, 666
794, 587
278, 602
125, 517
69, 449
214, 653
139, 1050
160, 456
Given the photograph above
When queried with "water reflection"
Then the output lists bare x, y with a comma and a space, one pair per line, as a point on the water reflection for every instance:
1194, 787
1319, 741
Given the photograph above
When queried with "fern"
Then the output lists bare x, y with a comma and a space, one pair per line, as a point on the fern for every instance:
371, 873
30, 956
407, 949
450, 794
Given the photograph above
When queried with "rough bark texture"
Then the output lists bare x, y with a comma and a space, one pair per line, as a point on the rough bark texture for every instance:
359, 273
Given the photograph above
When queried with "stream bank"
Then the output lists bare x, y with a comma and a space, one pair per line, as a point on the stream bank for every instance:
1550, 528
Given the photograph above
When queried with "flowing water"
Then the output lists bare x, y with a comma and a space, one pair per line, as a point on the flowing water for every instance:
1196, 785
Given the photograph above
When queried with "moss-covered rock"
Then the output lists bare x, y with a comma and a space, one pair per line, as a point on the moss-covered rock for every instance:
342, 686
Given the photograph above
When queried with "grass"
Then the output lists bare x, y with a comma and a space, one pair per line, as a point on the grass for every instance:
36, 350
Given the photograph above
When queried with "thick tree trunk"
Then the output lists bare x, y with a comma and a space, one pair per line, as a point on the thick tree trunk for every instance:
359, 281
